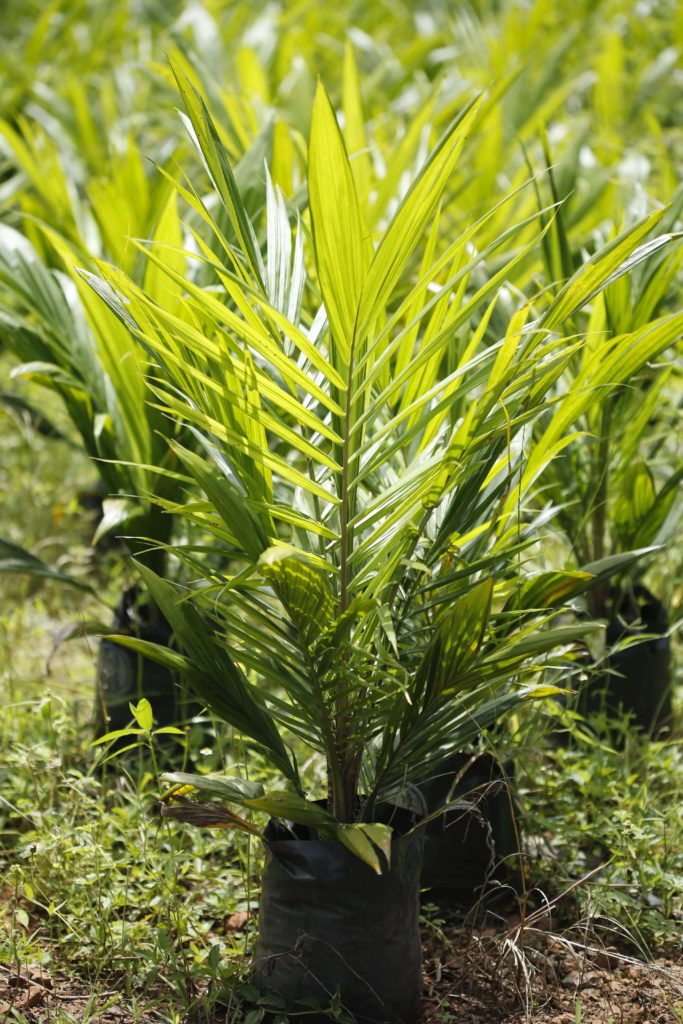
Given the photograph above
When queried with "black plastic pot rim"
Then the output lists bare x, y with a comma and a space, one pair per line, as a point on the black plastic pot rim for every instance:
462, 803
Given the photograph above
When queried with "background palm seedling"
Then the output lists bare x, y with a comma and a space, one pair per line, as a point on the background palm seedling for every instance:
616, 488
68, 346
66, 341
92, 365
605, 489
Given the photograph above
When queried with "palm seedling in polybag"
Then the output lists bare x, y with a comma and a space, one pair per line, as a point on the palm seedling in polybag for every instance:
364, 456
615, 489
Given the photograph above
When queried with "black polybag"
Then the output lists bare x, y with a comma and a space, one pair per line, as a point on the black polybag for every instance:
639, 680
123, 676
329, 924
474, 844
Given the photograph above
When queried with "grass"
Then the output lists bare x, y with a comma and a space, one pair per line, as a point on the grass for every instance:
93, 887
613, 817
97, 888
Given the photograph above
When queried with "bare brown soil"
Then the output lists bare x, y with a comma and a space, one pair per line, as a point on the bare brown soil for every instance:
540, 978
512, 975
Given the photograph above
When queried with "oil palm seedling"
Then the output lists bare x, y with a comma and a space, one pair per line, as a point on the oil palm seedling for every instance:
90, 363
362, 454
615, 490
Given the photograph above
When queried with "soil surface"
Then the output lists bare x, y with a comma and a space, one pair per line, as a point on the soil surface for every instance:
530, 976
504, 975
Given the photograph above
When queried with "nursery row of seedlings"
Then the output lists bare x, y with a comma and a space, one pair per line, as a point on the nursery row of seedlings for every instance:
332, 425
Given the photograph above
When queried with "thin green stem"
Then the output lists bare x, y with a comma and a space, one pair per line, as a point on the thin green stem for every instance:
344, 788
